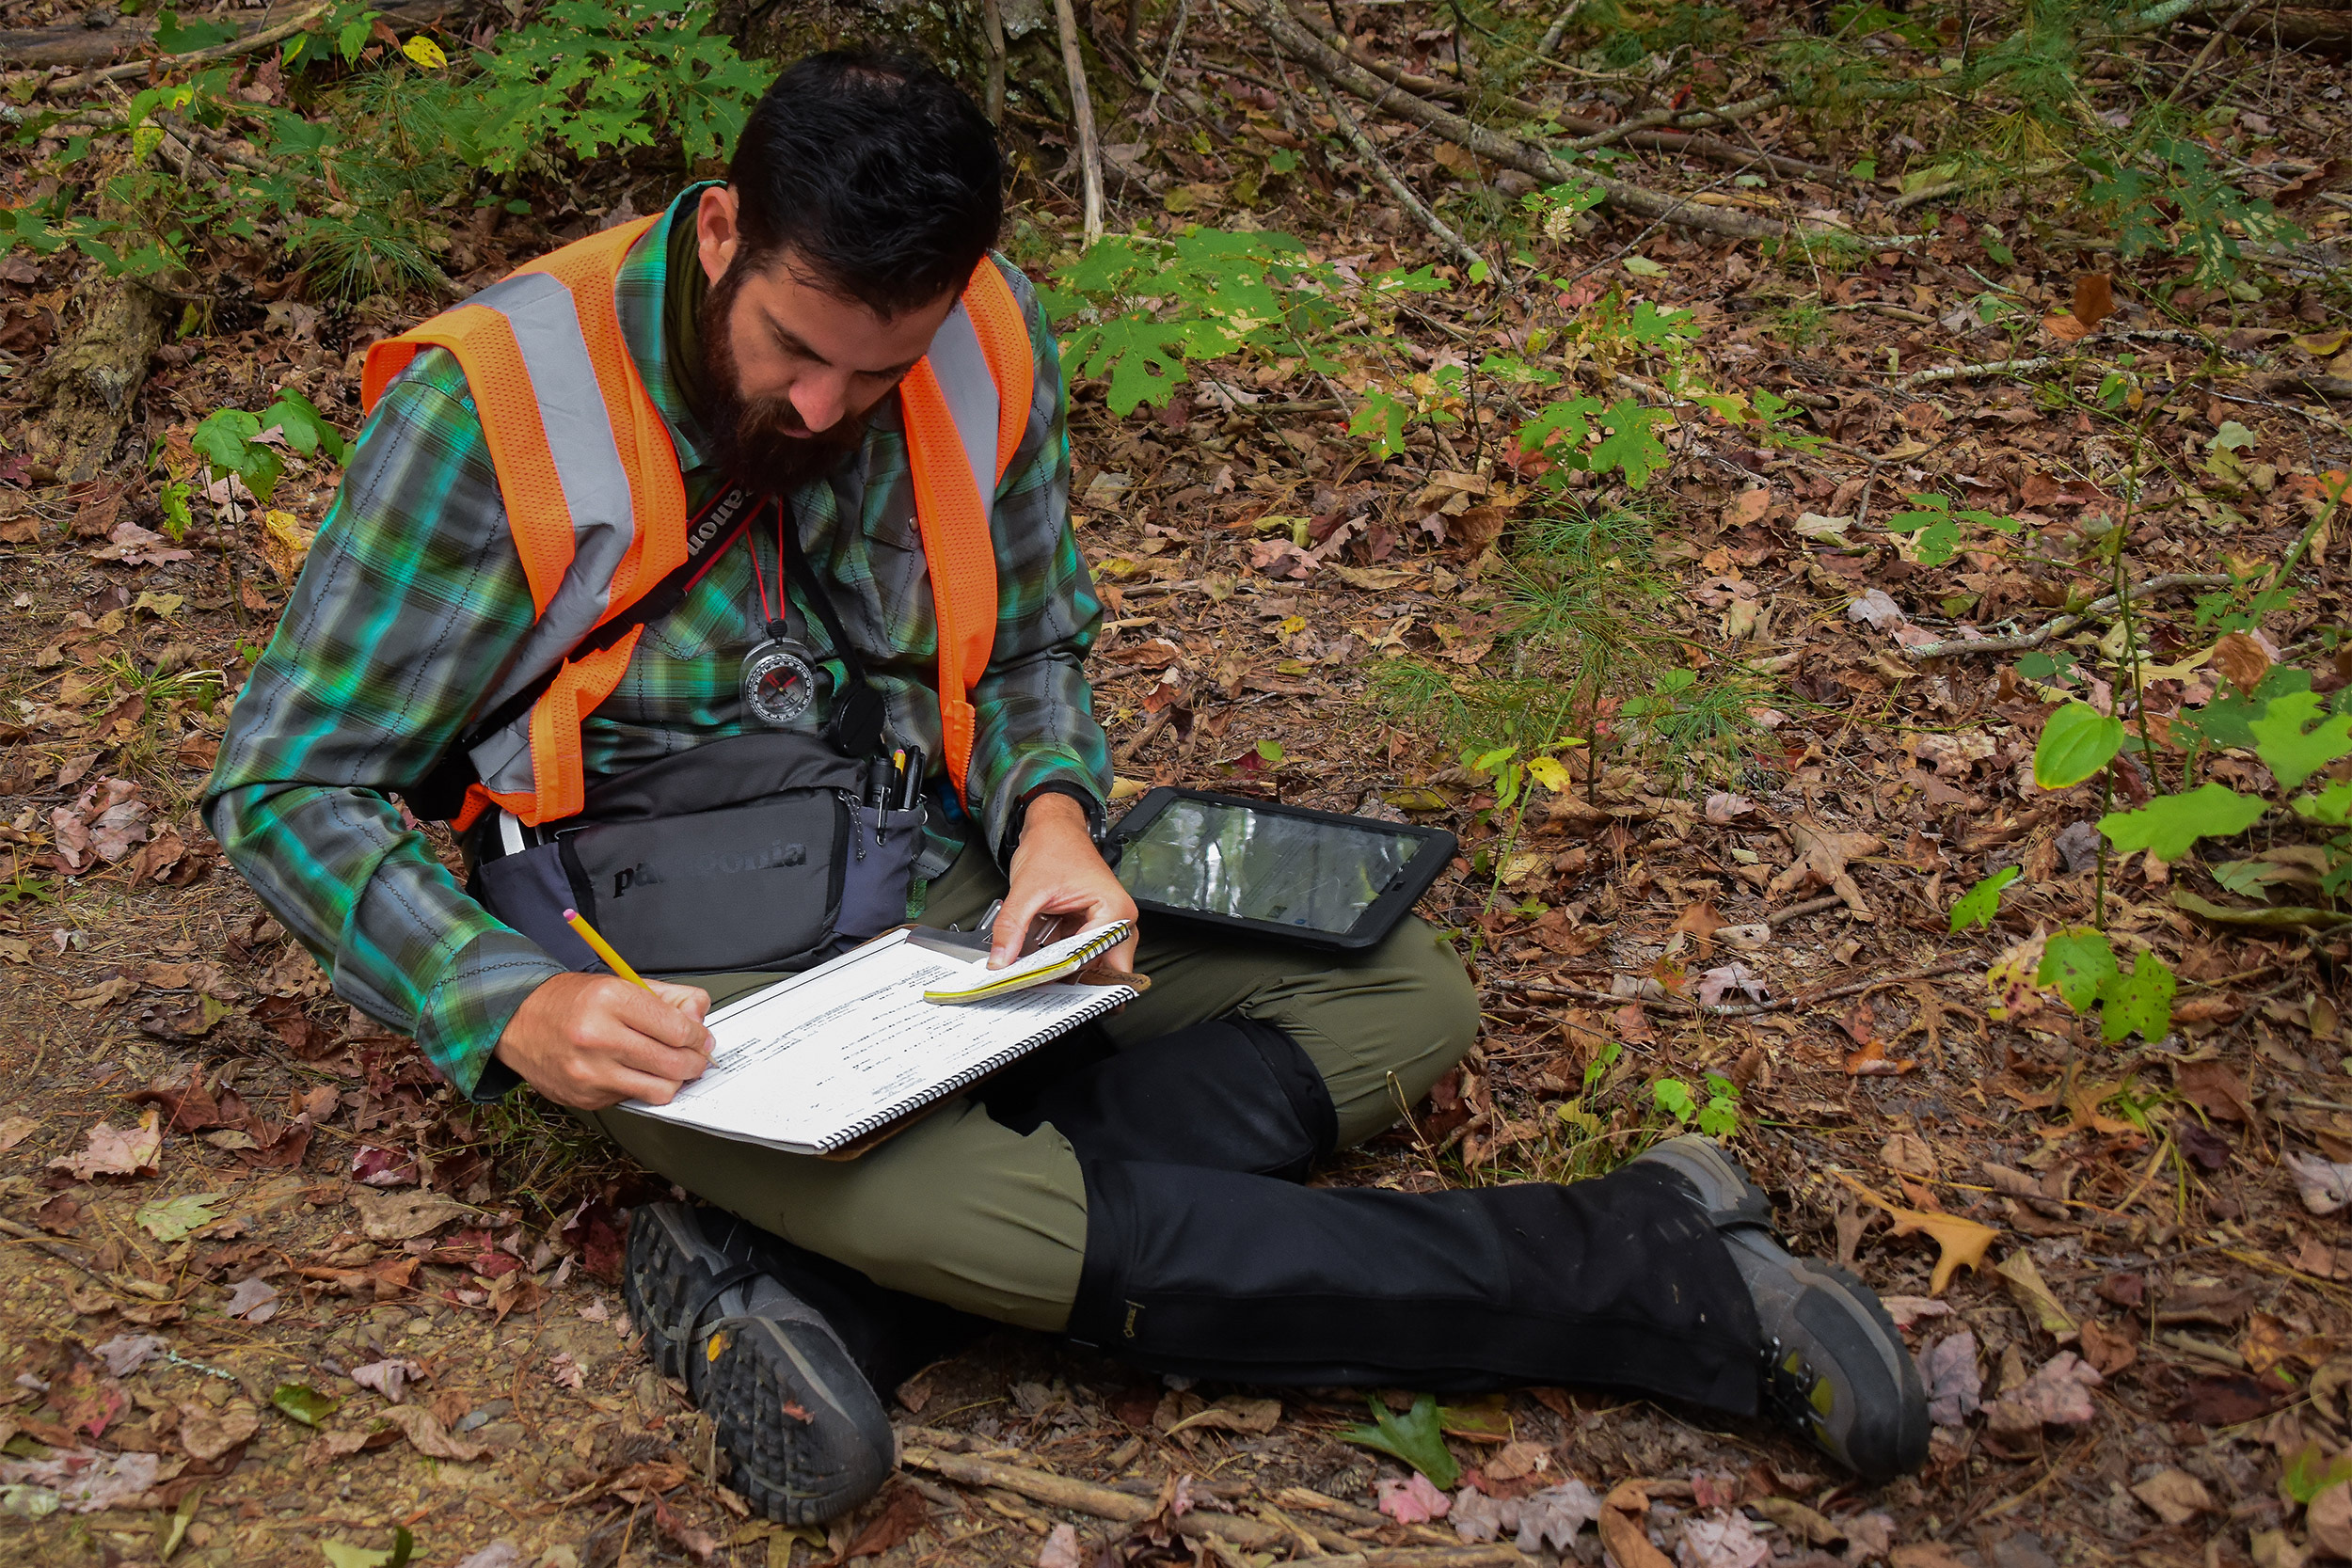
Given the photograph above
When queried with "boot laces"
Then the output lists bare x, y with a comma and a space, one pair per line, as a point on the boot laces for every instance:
1789, 1382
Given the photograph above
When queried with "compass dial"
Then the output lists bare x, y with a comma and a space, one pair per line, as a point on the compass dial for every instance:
778, 684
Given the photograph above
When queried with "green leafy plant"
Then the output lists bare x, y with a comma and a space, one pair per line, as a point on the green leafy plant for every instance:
1417, 1438
1981, 903
1934, 527
590, 77
1718, 1116
233, 441
1142, 310
2081, 964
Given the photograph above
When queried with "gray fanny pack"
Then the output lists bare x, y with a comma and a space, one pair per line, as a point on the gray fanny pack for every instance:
751, 853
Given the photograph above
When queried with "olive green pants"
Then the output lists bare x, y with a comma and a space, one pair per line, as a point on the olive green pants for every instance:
962, 1211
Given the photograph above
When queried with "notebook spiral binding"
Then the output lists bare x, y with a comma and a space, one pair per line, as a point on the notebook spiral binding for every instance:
867, 1125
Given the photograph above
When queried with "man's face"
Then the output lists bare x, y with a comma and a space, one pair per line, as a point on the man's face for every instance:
794, 368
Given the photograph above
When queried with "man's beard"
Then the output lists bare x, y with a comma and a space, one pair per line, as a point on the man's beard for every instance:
763, 446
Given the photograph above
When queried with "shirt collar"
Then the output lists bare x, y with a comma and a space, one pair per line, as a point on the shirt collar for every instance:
658, 304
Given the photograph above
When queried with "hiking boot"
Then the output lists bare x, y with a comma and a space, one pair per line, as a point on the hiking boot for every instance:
1835, 1370
806, 1433
1723, 1189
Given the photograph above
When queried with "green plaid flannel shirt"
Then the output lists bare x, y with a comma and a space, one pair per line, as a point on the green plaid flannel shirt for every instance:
413, 603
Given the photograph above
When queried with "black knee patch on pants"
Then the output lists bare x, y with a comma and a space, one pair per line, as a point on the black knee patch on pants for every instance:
1232, 1094
1618, 1282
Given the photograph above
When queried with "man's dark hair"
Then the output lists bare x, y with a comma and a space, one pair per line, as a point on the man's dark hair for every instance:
878, 177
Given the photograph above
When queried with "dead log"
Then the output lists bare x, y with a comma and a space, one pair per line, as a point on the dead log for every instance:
77, 43
85, 391
2299, 27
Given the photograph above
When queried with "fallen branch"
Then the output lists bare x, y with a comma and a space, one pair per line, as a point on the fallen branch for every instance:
1338, 70
2064, 623
1990, 367
1456, 245
1655, 132
1949, 187
1797, 1003
1558, 30
1104, 1502
251, 41
1081, 112
1822, 905
992, 36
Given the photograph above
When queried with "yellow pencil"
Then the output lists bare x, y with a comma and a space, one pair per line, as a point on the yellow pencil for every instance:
604, 950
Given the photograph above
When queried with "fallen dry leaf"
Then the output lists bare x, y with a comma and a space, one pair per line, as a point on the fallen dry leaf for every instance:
388, 1377
254, 1300
1411, 1501
117, 1151
1822, 857
2174, 1497
1235, 1414
87, 1481
428, 1437
2215, 1088
1624, 1527
403, 1215
2108, 1349
2328, 1519
2094, 299
1947, 1371
1724, 1539
2057, 1394
1960, 1243
2325, 1185
2034, 1294
207, 1433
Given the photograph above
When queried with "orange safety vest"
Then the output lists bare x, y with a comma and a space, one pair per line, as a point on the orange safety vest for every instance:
597, 505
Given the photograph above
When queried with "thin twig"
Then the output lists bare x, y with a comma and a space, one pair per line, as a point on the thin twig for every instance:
1559, 28
1168, 61
2065, 623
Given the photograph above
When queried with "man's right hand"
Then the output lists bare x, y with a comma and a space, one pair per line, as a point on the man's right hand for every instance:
590, 1041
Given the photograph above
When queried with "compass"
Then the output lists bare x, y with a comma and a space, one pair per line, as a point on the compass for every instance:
779, 683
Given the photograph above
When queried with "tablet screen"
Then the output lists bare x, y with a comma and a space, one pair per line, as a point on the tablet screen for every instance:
1259, 865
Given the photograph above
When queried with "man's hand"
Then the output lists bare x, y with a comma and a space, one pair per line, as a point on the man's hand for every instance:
591, 1041
1058, 870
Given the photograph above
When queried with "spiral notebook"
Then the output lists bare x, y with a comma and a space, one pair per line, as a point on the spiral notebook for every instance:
821, 1062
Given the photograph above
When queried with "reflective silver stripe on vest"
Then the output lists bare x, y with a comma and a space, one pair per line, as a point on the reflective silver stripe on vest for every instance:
970, 390
545, 324
596, 486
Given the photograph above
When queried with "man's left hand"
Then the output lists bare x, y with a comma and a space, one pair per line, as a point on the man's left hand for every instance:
1058, 870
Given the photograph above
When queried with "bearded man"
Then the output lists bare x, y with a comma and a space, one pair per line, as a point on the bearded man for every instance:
805, 421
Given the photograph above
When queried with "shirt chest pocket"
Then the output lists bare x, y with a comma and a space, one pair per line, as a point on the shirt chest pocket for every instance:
717, 621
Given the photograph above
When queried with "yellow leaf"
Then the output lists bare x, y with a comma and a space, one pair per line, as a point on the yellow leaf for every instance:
285, 544
2034, 1295
1548, 772
1960, 1243
2015, 992
425, 52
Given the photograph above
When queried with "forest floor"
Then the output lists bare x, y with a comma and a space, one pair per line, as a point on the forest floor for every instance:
286, 1295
